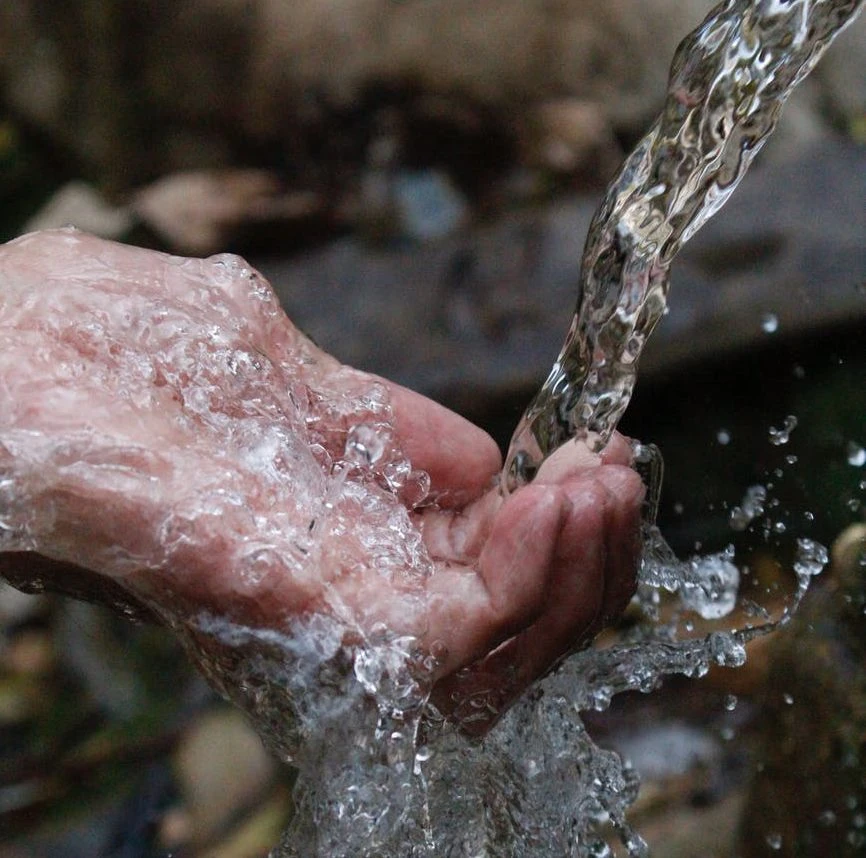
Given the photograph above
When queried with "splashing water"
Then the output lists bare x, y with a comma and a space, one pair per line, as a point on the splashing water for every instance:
381, 773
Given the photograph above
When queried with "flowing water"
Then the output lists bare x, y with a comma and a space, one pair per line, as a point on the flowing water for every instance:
380, 773
729, 80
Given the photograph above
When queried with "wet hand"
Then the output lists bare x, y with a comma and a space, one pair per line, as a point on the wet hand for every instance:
169, 439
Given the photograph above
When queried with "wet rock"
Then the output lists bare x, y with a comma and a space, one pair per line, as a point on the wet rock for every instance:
148, 88
80, 204
477, 320
31, 653
429, 205
203, 212
569, 136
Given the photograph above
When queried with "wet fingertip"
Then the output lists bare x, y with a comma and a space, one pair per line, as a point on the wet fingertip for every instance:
568, 461
516, 564
618, 451
622, 482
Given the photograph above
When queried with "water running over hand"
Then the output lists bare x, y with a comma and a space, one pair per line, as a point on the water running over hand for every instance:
538, 786
381, 773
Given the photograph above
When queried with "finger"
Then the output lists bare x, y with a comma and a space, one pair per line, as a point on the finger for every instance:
622, 528
575, 457
618, 451
459, 535
479, 695
461, 459
593, 579
475, 611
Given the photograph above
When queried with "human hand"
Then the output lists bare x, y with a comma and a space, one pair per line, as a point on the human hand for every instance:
165, 427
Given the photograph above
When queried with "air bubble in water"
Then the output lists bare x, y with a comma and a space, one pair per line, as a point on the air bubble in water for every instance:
723, 437
364, 445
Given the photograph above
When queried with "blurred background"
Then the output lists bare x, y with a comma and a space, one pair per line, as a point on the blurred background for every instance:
415, 179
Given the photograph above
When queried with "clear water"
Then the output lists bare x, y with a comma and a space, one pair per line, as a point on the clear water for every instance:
380, 773
729, 80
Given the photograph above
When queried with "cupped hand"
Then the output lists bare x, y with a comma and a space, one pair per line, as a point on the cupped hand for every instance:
167, 436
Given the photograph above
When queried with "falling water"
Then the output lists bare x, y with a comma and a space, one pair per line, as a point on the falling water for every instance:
381, 773
728, 82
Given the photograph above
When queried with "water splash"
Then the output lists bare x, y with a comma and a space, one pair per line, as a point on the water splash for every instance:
381, 772
750, 508
781, 436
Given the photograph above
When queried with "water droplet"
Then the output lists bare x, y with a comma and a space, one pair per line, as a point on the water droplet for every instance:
790, 459
774, 841
730, 702
783, 435
856, 454
769, 323
637, 847
710, 586
827, 818
810, 559
750, 508
725, 650
723, 437
788, 698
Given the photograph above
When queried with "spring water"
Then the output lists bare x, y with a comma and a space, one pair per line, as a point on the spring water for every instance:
380, 772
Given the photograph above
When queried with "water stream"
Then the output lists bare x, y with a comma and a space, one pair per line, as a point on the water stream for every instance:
728, 82
380, 773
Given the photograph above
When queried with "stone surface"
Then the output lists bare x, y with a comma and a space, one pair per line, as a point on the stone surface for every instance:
222, 770
809, 789
80, 204
135, 91
478, 319
201, 212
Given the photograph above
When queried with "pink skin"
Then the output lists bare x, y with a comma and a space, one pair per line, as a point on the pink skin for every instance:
131, 385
